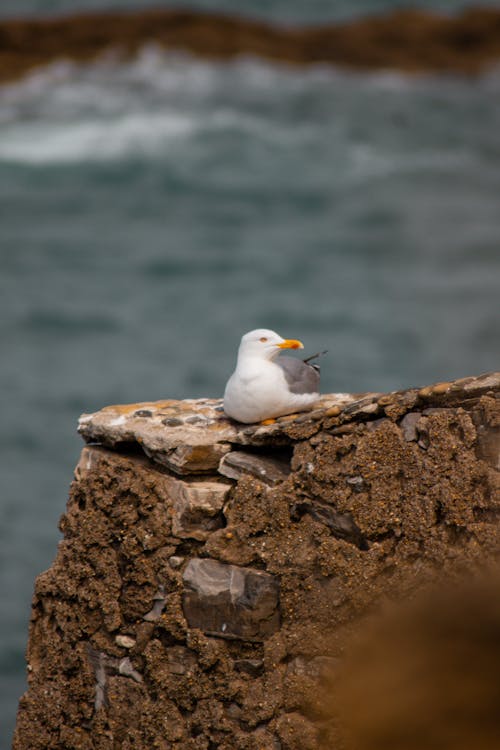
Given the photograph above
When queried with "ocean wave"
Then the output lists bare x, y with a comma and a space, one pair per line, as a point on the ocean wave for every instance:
132, 135
93, 140
112, 109
171, 106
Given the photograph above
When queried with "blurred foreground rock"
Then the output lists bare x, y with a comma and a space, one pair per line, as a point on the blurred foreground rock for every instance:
410, 40
210, 572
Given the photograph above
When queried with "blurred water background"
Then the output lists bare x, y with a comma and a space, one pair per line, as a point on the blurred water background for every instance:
153, 211
281, 11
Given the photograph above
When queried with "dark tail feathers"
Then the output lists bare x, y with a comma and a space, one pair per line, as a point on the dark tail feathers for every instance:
315, 356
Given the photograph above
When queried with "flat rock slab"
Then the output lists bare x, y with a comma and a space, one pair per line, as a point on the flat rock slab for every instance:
194, 436
190, 436
230, 601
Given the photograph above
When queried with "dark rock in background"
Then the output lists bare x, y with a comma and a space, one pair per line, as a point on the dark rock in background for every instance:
409, 40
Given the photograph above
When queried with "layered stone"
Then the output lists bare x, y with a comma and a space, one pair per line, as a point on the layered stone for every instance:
195, 437
271, 471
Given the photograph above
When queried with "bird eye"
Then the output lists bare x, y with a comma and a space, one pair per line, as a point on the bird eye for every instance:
263, 339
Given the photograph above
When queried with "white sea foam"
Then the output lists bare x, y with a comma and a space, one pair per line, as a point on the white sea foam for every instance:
69, 113
110, 109
160, 105
134, 134
94, 140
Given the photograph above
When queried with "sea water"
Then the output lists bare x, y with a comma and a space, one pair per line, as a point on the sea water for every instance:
154, 211
279, 11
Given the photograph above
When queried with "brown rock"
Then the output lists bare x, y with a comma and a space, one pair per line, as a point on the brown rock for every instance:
197, 506
362, 408
441, 388
342, 525
268, 470
332, 411
125, 641
364, 514
230, 601
87, 462
386, 399
193, 459
186, 436
193, 436
409, 426
409, 40
159, 600
426, 391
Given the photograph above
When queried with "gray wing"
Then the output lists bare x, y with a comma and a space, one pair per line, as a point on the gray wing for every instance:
300, 376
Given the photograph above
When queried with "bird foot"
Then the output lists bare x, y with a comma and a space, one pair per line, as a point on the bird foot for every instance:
268, 421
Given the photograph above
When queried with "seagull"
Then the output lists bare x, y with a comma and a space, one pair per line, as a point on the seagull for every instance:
264, 385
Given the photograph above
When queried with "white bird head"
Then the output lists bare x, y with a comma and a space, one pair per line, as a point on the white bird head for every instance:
265, 344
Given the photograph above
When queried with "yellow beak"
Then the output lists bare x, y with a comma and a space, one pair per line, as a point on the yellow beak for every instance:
291, 344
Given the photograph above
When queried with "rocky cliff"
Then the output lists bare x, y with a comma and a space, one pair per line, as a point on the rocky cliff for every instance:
210, 572
410, 40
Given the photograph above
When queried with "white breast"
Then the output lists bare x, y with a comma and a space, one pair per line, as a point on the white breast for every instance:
258, 390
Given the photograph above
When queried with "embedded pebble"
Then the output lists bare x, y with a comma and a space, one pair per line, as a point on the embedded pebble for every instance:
126, 668
333, 411
363, 406
441, 388
357, 484
316, 414
125, 641
386, 400
159, 600
425, 392
287, 418
303, 419
409, 426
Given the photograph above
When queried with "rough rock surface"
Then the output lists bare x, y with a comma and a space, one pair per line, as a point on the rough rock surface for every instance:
187, 611
409, 40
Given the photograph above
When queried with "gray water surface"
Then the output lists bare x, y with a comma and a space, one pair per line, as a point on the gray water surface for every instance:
278, 11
